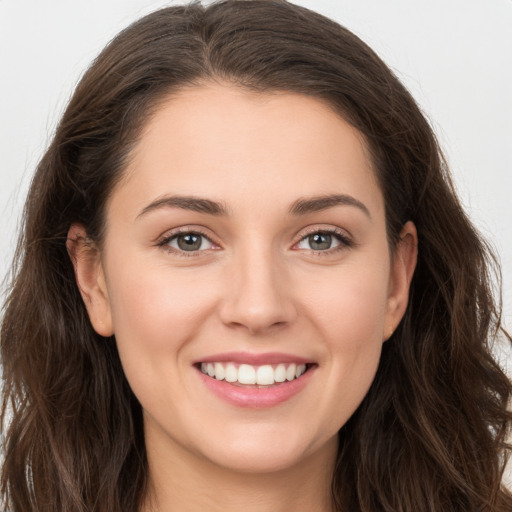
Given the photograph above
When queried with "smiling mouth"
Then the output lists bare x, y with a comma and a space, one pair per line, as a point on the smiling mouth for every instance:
256, 376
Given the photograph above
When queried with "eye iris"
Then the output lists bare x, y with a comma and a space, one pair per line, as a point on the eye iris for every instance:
320, 241
189, 242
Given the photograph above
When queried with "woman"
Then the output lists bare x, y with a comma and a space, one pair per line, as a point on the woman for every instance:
245, 281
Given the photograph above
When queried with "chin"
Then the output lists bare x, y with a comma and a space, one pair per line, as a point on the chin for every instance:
265, 452
262, 461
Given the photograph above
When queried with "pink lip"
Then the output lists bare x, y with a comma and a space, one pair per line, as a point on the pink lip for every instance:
253, 359
256, 397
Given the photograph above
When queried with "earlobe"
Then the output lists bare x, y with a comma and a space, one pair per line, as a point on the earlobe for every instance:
90, 279
402, 271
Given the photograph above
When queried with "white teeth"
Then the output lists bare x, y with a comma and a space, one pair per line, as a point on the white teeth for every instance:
246, 374
290, 372
265, 375
280, 373
220, 374
231, 373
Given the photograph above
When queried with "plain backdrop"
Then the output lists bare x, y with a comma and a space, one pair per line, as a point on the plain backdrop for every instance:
455, 56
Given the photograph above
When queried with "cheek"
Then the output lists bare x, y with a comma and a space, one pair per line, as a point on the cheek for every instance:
155, 311
350, 306
350, 314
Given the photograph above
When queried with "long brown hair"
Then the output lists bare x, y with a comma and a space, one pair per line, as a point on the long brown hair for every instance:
431, 433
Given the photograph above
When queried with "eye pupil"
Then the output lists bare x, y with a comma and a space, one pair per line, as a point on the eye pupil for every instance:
320, 241
189, 242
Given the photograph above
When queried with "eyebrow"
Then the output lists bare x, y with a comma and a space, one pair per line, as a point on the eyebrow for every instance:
302, 206
319, 203
195, 204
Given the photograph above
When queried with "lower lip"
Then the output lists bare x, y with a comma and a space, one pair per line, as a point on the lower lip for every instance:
254, 397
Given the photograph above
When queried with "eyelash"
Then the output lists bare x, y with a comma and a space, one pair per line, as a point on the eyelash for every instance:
164, 243
345, 241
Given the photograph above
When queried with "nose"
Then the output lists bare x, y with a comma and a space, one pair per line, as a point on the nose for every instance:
258, 294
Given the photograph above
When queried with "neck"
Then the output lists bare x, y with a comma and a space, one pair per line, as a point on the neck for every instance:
184, 481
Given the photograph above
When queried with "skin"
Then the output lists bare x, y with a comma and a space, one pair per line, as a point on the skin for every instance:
257, 286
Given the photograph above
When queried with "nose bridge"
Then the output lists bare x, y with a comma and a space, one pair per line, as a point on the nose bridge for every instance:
257, 297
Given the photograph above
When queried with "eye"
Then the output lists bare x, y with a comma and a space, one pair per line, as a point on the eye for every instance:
189, 242
323, 241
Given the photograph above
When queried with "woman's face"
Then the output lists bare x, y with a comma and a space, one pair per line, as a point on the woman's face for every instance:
246, 245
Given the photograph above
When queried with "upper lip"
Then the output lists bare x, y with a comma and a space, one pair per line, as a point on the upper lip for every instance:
253, 359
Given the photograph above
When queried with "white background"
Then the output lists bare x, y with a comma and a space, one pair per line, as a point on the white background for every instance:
455, 56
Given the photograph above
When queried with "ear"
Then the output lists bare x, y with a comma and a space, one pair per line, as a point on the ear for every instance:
402, 270
90, 278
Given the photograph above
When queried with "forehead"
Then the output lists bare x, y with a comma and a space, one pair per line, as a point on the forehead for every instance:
231, 144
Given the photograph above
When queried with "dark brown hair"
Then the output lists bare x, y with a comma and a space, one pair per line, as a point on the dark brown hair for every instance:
431, 433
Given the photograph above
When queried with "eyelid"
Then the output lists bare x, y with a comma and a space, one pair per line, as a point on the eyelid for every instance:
345, 239
164, 239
